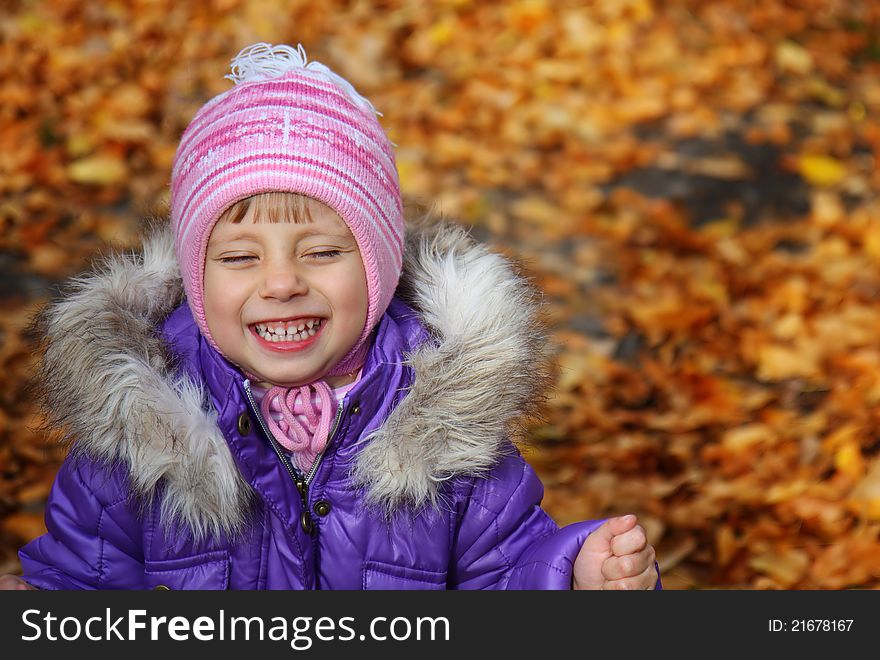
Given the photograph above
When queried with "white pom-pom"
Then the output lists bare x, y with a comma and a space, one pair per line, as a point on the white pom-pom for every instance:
263, 60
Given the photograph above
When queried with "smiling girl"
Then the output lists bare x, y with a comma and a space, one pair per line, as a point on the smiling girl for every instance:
290, 389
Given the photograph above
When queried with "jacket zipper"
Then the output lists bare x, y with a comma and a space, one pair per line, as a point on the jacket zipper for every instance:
301, 481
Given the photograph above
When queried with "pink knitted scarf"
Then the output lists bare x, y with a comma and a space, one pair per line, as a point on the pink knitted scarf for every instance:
304, 441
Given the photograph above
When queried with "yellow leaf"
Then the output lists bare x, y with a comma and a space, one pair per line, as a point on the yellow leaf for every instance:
786, 491
31, 23
712, 290
849, 461
720, 228
872, 243
827, 208
100, 170
642, 11
841, 436
128, 100
788, 327
124, 129
794, 58
857, 111
745, 436
829, 95
80, 144
780, 362
821, 170
442, 33
866, 494
786, 567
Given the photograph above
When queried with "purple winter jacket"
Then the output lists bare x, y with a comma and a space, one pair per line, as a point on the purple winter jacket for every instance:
173, 482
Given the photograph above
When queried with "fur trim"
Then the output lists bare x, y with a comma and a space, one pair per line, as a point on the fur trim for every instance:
109, 381
486, 371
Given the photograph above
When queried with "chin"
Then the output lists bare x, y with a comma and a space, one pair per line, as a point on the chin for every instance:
287, 380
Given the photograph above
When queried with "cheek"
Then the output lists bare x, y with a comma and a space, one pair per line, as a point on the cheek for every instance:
222, 303
360, 301
351, 294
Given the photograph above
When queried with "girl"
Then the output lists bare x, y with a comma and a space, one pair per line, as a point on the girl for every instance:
328, 408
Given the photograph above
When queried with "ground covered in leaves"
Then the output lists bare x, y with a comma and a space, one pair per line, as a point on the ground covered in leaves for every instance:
693, 184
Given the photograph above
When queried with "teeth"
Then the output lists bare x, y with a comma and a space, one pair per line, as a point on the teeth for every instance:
275, 332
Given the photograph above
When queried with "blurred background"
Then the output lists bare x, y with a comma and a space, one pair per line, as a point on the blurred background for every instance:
693, 184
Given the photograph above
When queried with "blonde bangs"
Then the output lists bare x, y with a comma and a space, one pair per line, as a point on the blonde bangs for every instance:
270, 207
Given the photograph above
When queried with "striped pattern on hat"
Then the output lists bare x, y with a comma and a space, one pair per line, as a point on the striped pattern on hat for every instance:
294, 126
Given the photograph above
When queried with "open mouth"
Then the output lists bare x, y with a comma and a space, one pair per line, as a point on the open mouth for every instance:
276, 332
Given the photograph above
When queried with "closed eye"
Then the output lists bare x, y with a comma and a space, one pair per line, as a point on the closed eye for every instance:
237, 259
326, 254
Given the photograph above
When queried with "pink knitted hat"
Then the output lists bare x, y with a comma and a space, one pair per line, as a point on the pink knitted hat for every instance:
298, 127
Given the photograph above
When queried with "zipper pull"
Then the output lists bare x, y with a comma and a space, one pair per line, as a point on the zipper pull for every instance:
305, 520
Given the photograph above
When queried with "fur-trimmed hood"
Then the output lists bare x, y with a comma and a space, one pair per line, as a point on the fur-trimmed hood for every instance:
110, 381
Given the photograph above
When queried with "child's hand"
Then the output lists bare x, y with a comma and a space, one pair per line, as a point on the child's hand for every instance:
14, 583
616, 556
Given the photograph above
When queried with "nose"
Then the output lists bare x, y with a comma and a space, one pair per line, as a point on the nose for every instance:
282, 282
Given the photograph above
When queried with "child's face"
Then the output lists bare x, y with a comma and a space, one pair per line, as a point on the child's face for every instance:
264, 281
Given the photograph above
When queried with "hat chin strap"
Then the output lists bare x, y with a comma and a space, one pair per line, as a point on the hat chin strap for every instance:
304, 441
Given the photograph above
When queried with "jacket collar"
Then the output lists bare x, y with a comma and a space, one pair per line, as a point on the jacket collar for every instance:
111, 381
